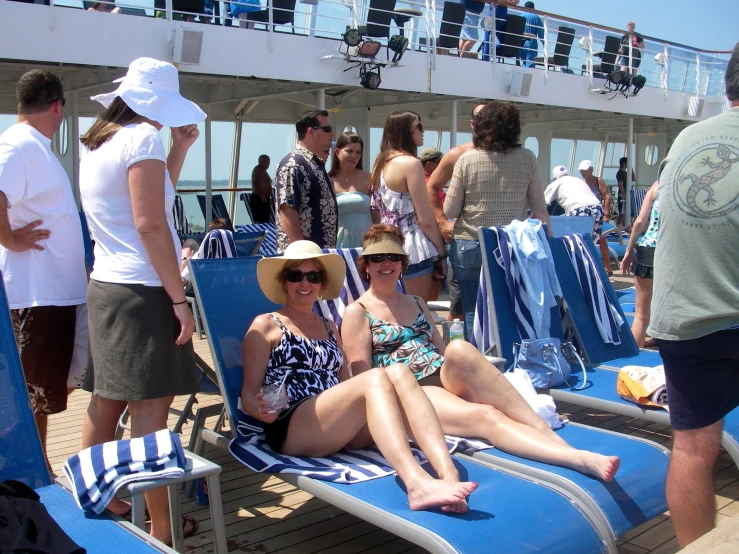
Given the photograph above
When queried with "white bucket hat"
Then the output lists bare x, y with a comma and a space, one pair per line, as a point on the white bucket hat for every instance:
151, 88
585, 165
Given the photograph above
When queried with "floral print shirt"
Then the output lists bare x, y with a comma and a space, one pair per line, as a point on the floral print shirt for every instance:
303, 183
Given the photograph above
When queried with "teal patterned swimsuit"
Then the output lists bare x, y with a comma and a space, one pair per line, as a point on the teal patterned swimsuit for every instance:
649, 238
411, 345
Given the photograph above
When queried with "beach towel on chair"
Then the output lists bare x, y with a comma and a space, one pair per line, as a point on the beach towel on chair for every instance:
96, 473
347, 466
607, 319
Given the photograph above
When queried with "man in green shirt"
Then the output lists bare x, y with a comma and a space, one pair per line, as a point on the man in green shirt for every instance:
695, 306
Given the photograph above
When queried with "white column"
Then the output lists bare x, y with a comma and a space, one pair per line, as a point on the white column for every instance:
311, 20
73, 143
321, 98
629, 169
453, 123
366, 161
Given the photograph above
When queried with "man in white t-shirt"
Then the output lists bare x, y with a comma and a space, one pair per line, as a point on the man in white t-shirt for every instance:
41, 246
575, 197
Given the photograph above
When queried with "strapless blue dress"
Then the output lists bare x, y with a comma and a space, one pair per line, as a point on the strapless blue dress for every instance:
354, 218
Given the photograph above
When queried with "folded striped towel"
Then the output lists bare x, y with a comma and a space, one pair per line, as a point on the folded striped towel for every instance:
96, 473
347, 466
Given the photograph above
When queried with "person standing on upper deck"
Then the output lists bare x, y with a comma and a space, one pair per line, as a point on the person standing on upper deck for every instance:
41, 249
305, 198
534, 29
695, 305
261, 191
630, 51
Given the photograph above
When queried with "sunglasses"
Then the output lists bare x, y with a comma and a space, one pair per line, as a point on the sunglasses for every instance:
379, 258
296, 276
325, 128
419, 126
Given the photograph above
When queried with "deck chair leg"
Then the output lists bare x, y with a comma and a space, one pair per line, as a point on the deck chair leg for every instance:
197, 449
122, 425
218, 427
216, 514
138, 510
185, 414
175, 517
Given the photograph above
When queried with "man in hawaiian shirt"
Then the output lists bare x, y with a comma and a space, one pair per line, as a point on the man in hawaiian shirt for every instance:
305, 198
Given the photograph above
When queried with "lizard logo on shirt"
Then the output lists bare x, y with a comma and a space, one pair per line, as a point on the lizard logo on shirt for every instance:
706, 182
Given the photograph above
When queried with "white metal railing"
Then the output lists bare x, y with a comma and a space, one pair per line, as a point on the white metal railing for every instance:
667, 66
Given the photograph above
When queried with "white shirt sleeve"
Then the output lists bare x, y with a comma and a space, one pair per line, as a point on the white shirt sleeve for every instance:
145, 144
550, 193
12, 174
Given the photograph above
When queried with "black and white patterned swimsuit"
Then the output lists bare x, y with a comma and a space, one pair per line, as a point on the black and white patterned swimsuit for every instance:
312, 365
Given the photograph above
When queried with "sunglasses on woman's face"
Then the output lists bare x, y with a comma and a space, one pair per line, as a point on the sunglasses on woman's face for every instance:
419, 126
379, 258
296, 276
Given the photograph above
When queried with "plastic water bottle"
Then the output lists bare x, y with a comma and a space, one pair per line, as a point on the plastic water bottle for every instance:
456, 331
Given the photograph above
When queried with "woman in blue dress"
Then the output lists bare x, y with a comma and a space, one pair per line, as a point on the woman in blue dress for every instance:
351, 184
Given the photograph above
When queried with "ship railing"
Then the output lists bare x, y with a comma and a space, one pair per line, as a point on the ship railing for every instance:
666, 65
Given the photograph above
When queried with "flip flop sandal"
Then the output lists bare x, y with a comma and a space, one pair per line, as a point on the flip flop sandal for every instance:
185, 531
128, 515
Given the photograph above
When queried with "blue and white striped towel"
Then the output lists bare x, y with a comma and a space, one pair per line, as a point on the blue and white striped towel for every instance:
218, 243
98, 472
269, 244
607, 319
482, 331
347, 466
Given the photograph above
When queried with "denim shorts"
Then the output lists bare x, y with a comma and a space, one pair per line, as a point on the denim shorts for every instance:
702, 378
470, 26
420, 269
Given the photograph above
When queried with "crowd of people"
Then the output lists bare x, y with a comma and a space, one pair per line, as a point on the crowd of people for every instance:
391, 377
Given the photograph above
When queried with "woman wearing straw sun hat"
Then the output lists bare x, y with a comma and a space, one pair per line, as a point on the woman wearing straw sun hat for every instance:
472, 399
326, 411
140, 324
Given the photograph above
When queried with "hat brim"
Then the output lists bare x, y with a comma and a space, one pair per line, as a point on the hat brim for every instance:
169, 109
269, 269
385, 245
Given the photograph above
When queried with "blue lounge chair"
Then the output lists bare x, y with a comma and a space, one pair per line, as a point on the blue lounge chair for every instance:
643, 463
22, 459
508, 513
606, 359
269, 243
219, 209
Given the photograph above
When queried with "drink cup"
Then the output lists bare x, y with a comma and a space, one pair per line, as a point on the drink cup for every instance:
275, 397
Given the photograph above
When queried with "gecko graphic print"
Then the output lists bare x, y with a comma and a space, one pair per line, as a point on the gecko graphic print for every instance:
703, 188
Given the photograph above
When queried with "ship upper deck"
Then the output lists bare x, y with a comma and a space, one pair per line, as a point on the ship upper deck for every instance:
233, 66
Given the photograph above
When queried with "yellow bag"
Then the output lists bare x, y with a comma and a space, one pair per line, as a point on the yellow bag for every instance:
643, 385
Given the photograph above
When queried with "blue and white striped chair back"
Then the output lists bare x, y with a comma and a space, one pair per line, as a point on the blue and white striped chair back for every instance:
218, 243
637, 199
180, 219
269, 244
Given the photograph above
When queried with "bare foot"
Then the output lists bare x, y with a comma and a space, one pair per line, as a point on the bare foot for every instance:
600, 466
432, 493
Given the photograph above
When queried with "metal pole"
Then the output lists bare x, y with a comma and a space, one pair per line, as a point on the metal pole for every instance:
366, 161
629, 169
453, 124
235, 155
321, 98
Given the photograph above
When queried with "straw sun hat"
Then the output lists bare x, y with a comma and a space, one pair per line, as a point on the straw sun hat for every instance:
152, 89
269, 270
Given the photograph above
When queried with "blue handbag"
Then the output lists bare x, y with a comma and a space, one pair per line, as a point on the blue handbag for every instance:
545, 362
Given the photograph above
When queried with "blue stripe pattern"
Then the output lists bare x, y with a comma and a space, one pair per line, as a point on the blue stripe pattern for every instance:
607, 319
218, 243
180, 219
269, 244
346, 467
637, 199
96, 473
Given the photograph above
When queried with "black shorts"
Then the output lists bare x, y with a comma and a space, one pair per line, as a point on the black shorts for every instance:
621, 204
644, 262
276, 432
702, 378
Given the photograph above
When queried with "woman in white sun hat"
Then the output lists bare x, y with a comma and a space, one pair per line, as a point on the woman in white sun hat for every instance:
140, 324
326, 411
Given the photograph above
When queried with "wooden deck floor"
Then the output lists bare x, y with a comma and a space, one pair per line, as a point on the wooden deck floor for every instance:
265, 515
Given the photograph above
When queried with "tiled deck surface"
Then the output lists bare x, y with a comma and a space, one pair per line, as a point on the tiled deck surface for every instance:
265, 515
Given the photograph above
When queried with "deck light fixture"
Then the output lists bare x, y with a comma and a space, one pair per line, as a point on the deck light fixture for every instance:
369, 49
398, 45
368, 78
